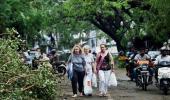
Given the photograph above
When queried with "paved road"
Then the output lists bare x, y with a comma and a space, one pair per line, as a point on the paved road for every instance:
126, 90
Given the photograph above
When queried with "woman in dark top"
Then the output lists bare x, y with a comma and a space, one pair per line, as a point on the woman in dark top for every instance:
104, 65
77, 59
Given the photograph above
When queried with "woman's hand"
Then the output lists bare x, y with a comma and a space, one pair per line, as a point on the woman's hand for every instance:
113, 69
95, 71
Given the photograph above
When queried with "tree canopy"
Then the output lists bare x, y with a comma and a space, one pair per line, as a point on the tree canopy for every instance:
122, 20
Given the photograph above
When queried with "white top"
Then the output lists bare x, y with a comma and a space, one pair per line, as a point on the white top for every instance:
139, 57
160, 58
89, 60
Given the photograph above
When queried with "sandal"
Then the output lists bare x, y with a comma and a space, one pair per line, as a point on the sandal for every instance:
105, 95
100, 94
81, 94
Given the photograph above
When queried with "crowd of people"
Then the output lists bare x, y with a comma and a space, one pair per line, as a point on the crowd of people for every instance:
132, 58
34, 57
85, 65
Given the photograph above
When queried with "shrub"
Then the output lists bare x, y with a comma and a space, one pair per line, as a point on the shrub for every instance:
19, 82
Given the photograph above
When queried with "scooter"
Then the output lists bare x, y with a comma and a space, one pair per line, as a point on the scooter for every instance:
164, 76
143, 75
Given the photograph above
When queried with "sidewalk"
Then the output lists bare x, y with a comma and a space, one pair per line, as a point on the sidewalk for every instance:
67, 90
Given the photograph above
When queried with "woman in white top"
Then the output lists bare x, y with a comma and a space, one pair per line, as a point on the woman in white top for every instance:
89, 59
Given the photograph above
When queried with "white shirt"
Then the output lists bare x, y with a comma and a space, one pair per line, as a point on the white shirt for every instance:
139, 57
160, 58
89, 60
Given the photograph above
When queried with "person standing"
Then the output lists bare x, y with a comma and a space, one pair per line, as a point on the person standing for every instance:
78, 61
105, 66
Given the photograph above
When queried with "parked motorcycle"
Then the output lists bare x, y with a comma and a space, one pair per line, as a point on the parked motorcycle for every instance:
164, 76
59, 68
143, 75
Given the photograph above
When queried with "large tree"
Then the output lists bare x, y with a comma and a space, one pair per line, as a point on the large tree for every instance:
116, 18
28, 17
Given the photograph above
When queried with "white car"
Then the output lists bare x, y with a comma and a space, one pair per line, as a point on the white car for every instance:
153, 54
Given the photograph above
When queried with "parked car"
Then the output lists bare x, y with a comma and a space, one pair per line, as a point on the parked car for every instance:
153, 54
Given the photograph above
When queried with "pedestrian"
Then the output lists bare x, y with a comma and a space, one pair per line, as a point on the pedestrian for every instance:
90, 64
105, 66
78, 61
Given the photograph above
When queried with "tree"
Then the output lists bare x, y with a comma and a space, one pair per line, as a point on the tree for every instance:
18, 81
115, 18
107, 15
28, 17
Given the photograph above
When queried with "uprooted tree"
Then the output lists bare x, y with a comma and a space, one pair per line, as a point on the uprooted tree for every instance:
18, 81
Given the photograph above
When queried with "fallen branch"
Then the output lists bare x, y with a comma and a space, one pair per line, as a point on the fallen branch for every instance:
26, 88
3, 84
8, 72
5, 90
13, 79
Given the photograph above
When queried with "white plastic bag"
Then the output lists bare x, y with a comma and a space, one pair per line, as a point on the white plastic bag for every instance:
112, 80
87, 85
94, 80
70, 70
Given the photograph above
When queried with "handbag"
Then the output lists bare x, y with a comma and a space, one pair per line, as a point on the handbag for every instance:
70, 70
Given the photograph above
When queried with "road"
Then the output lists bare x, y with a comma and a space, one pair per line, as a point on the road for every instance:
126, 90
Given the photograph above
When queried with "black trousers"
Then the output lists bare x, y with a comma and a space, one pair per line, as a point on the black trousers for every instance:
78, 77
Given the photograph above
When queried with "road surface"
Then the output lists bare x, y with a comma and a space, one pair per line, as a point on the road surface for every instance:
126, 90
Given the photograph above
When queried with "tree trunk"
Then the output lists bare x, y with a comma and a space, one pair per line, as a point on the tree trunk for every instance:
110, 30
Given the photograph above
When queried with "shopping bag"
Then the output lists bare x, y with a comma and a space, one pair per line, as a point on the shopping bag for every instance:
87, 86
112, 80
94, 80
70, 70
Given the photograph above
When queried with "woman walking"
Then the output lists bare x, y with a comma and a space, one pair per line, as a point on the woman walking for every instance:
90, 67
78, 61
105, 66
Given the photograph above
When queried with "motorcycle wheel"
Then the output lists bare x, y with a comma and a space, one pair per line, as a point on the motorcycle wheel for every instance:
144, 86
61, 71
165, 90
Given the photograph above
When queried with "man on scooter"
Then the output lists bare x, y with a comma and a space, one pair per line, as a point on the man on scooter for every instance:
162, 57
143, 56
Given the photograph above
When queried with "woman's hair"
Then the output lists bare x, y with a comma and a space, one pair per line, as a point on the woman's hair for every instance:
87, 47
77, 46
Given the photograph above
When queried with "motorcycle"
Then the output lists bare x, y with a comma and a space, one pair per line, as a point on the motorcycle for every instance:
59, 68
130, 67
143, 75
164, 76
